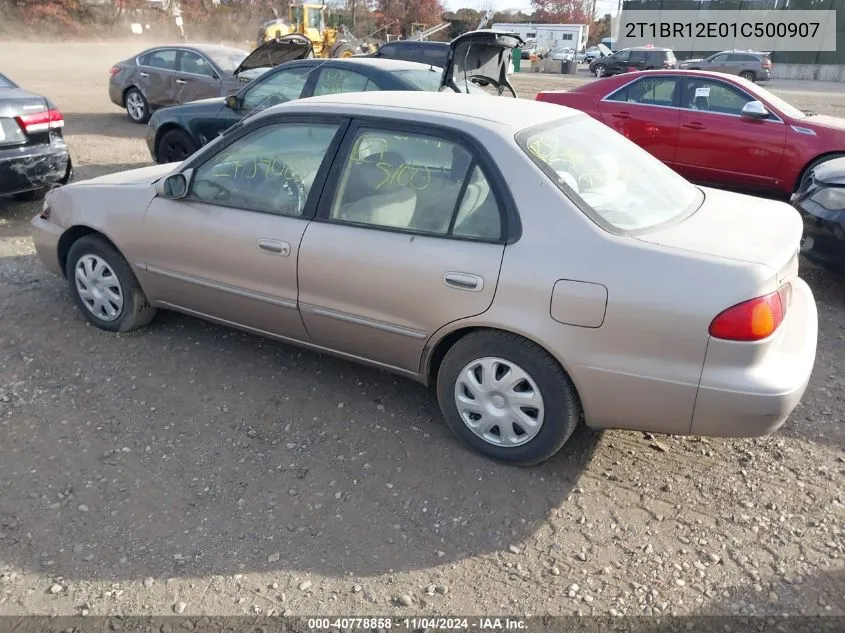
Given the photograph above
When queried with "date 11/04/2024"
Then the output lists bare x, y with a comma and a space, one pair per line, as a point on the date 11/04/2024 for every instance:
418, 623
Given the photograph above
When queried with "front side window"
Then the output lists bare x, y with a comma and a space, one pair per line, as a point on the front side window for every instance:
719, 59
636, 56
190, 62
621, 56
164, 59
613, 181
280, 87
713, 96
416, 182
338, 80
271, 169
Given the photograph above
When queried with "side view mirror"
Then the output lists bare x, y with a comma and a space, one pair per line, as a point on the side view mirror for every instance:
233, 102
754, 110
174, 186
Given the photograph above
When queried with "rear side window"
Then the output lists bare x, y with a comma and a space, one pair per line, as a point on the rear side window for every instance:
650, 91
163, 59
416, 183
616, 183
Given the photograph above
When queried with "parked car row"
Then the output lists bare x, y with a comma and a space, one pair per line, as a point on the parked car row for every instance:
373, 221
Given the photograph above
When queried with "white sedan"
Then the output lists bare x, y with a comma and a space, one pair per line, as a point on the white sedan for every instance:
478, 245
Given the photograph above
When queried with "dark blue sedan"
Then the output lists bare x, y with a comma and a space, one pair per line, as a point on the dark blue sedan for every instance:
176, 132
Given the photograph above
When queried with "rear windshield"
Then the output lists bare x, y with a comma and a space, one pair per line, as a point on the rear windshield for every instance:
422, 79
620, 186
5, 83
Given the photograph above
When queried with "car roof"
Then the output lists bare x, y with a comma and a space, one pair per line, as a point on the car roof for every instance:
423, 42
501, 112
203, 48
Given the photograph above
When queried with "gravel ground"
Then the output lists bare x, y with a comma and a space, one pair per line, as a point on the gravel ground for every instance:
190, 468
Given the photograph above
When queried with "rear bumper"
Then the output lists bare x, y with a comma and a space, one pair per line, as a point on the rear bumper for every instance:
115, 94
46, 236
33, 167
757, 398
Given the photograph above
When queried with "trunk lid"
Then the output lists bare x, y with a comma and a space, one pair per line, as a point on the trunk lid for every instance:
739, 227
286, 48
480, 57
15, 102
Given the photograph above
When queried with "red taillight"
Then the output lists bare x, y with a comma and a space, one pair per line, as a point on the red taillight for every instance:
767, 63
753, 320
113, 71
41, 121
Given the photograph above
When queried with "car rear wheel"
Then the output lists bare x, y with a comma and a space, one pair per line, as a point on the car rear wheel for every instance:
174, 147
136, 106
600, 71
104, 286
748, 75
507, 397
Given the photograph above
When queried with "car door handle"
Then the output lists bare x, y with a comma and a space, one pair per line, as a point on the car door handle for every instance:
181, 81
621, 115
464, 281
145, 74
276, 247
694, 125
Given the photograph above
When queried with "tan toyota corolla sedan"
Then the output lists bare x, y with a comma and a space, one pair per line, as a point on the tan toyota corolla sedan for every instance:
534, 265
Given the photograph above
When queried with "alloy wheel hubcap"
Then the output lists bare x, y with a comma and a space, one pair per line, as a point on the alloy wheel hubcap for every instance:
98, 287
499, 402
135, 106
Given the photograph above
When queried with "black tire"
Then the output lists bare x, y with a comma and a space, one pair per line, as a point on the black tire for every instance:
136, 311
174, 146
600, 71
822, 159
344, 49
142, 113
748, 75
560, 400
31, 196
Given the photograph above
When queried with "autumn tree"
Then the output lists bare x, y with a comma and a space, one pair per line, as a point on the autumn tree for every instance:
403, 13
563, 11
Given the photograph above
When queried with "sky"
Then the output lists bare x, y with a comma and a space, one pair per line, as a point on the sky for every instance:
602, 6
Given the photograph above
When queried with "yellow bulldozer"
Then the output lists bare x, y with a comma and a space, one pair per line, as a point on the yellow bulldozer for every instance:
310, 20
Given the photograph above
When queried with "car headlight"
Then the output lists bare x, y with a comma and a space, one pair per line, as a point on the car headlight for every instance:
832, 198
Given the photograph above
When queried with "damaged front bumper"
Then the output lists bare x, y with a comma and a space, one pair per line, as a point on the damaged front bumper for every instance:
30, 168
821, 203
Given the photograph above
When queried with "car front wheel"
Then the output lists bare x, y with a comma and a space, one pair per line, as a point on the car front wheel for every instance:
600, 71
507, 397
137, 106
174, 147
104, 286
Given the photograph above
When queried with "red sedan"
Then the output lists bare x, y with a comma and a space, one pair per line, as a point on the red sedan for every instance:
712, 128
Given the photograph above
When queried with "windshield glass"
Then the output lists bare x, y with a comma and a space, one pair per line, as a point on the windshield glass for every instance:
429, 80
228, 59
5, 83
617, 184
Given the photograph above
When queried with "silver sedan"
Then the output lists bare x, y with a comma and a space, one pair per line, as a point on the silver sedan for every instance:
533, 265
